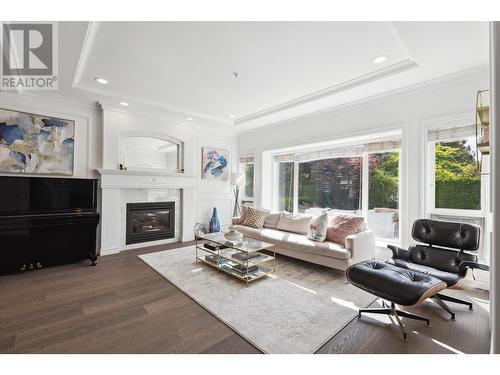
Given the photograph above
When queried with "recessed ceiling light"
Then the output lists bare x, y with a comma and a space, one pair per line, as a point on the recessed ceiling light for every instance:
102, 81
125, 104
189, 118
379, 60
232, 116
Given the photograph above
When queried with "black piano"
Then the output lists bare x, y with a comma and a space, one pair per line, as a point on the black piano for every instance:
46, 221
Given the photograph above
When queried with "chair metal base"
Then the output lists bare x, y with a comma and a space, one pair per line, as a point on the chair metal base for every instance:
396, 313
440, 298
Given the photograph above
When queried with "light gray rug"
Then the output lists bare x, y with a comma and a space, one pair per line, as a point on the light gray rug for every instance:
295, 311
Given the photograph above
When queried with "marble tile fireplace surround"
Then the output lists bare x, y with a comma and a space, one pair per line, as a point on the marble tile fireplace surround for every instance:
121, 187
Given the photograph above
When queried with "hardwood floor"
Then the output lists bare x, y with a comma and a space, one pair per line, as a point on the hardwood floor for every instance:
124, 306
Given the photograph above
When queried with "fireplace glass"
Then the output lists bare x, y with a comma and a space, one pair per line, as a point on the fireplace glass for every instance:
150, 221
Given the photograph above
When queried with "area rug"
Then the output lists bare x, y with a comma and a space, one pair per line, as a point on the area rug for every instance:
296, 310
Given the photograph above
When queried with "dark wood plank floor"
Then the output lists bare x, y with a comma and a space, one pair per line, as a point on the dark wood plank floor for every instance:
123, 306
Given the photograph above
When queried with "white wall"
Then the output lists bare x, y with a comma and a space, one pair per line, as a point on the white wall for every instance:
209, 193
407, 110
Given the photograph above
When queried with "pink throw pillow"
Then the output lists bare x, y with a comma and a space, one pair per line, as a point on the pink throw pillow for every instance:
244, 209
343, 225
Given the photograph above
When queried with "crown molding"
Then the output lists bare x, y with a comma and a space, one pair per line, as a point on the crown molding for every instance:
82, 104
388, 95
390, 70
159, 113
180, 112
88, 43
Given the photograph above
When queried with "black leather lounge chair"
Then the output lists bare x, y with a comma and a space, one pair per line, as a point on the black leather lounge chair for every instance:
422, 271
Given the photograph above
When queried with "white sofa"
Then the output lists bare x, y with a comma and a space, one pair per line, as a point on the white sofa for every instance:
360, 246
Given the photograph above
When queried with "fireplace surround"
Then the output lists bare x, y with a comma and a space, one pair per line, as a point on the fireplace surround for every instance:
151, 221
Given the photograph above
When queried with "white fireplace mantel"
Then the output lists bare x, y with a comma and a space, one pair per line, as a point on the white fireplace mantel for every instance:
117, 179
112, 184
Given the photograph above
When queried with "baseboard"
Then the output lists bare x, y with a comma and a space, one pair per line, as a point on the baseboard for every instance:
118, 249
109, 251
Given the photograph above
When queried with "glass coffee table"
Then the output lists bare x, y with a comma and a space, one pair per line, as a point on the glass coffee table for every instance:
236, 255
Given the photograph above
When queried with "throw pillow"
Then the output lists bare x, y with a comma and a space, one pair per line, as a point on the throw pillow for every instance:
294, 223
317, 228
243, 214
254, 218
271, 220
343, 225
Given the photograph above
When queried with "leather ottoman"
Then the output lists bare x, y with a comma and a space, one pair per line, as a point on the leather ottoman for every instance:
394, 284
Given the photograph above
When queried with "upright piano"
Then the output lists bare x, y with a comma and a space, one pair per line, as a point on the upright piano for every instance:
46, 221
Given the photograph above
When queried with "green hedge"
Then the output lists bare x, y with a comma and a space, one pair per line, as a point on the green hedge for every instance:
459, 194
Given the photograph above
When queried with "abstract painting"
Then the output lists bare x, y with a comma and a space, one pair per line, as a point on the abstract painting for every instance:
214, 164
36, 144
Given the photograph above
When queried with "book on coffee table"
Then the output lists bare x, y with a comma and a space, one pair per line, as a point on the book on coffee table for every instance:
246, 256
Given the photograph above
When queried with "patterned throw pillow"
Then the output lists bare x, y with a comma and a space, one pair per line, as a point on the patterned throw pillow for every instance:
317, 228
342, 225
254, 218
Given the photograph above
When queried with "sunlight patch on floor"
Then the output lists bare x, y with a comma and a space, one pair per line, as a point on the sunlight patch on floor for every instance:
456, 351
345, 303
482, 303
301, 287
442, 344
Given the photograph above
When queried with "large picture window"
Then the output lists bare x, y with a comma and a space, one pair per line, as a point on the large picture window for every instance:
333, 183
359, 179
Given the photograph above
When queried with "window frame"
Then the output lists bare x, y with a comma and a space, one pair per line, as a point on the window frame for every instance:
428, 183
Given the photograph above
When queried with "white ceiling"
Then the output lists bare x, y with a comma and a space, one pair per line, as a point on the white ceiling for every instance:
285, 69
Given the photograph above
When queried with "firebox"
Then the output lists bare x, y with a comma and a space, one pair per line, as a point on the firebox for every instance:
150, 221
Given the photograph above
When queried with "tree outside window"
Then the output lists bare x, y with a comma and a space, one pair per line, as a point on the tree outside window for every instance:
249, 173
330, 183
457, 177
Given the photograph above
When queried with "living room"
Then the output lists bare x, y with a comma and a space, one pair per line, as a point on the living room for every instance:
247, 187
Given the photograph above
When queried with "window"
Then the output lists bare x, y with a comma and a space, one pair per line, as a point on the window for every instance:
285, 186
454, 192
248, 188
247, 166
455, 179
383, 194
362, 179
330, 183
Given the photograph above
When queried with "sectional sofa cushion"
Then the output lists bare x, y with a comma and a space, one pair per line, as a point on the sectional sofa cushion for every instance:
254, 217
317, 228
271, 220
296, 242
343, 225
298, 223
